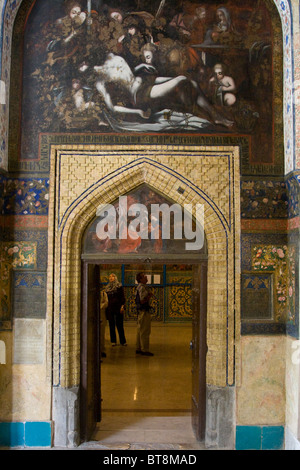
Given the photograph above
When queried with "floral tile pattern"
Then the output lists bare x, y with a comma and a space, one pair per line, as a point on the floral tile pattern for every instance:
275, 259
24, 196
20, 255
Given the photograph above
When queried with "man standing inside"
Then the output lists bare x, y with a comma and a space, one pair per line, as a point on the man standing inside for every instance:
142, 298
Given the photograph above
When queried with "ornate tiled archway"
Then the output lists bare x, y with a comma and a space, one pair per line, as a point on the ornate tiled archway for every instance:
82, 179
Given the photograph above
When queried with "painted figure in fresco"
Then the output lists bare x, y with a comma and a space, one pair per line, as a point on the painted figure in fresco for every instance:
68, 28
131, 43
81, 101
223, 87
189, 27
127, 66
223, 30
115, 69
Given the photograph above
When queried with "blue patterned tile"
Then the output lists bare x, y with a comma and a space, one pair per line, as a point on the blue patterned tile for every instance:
248, 438
12, 434
37, 434
272, 437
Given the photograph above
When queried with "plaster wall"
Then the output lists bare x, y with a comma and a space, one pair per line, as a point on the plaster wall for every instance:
261, 394
25, 389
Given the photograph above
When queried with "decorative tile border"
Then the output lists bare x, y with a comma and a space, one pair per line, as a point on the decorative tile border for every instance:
259, 437
26, 434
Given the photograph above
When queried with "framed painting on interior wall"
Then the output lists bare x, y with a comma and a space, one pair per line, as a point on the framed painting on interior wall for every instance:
149, 67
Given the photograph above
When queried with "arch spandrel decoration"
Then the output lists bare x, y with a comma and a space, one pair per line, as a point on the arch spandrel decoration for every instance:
74, 201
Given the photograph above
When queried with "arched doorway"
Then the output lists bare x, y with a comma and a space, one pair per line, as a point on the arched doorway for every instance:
71, 211
163, 255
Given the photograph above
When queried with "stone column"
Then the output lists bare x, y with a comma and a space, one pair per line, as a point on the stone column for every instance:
66, 420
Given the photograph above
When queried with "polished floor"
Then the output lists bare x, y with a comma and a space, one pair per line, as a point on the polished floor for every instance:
146, 401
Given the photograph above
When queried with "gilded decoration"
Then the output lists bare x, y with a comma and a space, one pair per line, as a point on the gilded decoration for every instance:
275, 259
274, 255
14, 255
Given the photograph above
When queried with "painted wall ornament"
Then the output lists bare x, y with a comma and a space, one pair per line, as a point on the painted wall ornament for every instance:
131, 66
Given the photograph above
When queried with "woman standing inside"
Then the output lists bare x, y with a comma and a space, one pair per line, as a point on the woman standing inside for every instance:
115, 309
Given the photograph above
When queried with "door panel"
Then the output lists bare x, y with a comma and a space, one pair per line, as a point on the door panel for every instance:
90, 393
199, 350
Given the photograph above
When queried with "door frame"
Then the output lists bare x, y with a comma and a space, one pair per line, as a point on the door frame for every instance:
90, 333
199, 425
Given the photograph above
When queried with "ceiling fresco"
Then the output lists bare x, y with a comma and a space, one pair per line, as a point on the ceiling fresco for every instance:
145, 67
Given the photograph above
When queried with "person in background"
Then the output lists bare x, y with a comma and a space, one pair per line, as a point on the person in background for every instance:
103, 306
142, 298
115, 309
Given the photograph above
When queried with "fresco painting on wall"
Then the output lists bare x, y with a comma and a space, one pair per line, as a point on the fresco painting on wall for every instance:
160, 236
148, 67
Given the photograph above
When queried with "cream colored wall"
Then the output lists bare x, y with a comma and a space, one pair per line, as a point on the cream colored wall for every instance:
25, 389
261, 393
292, 384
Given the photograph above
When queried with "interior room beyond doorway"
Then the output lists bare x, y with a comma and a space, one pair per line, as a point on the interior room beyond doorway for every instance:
146, 401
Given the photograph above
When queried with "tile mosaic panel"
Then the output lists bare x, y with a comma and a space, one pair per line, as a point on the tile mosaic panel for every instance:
264, 199
274, 259
293, 188
37, 237
179, 303
21, 255
272, 253
24, 196
29, 294
257, 301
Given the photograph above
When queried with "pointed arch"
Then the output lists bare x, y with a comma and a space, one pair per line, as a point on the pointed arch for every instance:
70, 215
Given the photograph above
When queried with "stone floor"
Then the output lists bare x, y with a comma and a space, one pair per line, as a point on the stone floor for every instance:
147, 400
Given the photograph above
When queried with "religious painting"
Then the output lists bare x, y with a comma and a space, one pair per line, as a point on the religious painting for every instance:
149, 67
144, 221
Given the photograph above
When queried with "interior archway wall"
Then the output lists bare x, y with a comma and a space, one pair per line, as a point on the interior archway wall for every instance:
83, 179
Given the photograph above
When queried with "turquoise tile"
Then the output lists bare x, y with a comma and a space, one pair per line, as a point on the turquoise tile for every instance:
12, 434
37, 434
272, 437
248, 438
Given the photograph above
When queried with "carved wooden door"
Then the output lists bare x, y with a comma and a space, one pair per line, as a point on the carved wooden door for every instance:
90, 391
199, 349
